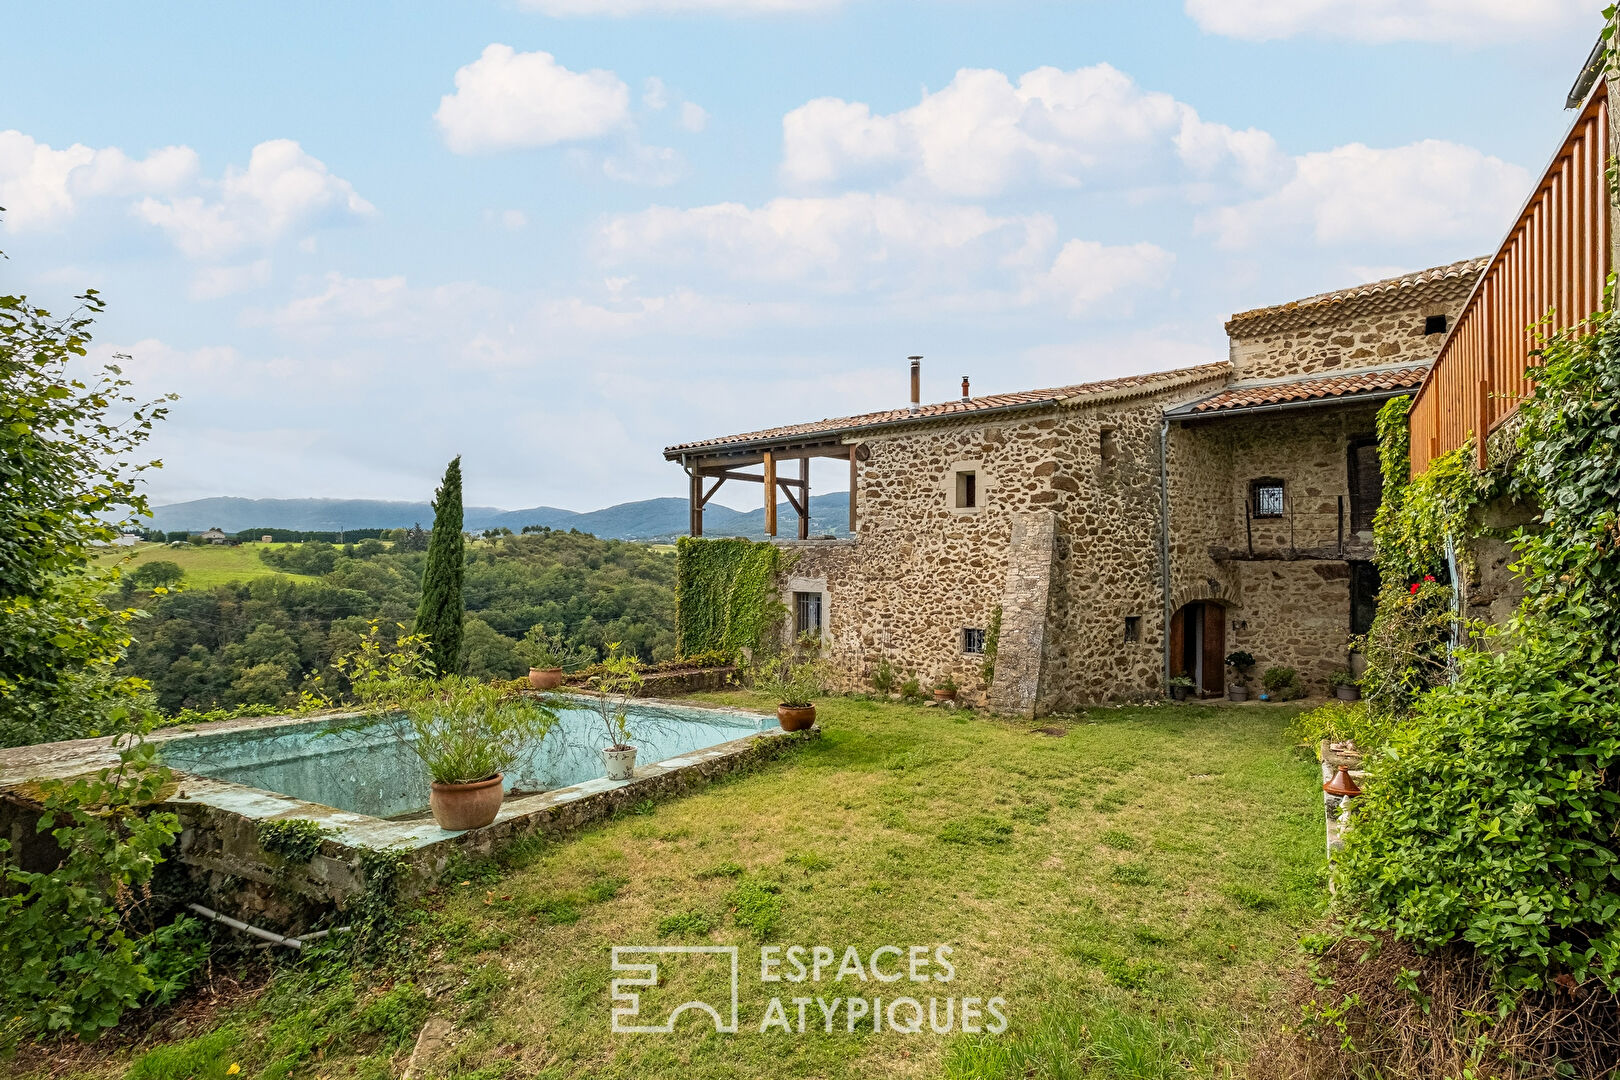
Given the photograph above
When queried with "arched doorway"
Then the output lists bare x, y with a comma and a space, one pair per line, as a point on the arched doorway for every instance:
1198, 646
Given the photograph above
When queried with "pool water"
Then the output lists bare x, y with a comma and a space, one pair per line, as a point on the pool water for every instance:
366, 770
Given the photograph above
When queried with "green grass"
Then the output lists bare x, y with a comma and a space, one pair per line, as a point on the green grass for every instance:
1134, 891
204, 566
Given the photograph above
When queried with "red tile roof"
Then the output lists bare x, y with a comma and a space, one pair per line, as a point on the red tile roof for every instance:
1382, 382
1125, 387
1388, 294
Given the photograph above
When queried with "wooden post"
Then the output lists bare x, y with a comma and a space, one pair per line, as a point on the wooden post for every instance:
770, 494
695, 527
854, 483
804, 493
1483, 428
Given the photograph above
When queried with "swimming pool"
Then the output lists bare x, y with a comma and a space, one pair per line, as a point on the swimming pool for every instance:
366, 770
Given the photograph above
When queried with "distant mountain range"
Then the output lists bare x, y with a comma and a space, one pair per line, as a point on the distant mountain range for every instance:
648, 520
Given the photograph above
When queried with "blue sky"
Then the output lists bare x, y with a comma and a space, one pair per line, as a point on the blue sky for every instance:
557, 235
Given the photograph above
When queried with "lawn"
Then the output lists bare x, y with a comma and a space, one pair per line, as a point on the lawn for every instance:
204, 566
1131, 882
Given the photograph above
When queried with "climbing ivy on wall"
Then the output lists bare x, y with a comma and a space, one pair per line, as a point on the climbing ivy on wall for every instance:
725, 594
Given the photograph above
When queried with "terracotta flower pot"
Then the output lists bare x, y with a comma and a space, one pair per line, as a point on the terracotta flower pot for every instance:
620, 764
944, 695
795, 717
458, 807
545, 678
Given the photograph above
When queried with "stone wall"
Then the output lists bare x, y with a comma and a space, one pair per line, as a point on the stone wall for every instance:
1288, 602
1373, 332
921, 570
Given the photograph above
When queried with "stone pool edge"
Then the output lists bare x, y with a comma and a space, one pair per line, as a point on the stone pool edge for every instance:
218, 846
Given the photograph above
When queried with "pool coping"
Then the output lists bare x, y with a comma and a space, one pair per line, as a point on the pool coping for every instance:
220, 818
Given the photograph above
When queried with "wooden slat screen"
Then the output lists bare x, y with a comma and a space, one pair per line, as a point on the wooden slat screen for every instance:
1555, 257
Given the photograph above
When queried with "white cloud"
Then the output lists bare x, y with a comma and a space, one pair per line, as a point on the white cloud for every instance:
513, 220
867, 245
506, 99
694, 117
650, 166
282, 189
982, 134
1429, 21
677, 7
40, 186
213, 282
654, 94
1427, 191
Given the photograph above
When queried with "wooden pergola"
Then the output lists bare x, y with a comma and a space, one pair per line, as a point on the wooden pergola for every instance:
709, 467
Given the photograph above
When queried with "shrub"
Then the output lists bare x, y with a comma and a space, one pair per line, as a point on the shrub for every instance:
1338, 721
1282, 683
883, 677
71, 963
1492, 820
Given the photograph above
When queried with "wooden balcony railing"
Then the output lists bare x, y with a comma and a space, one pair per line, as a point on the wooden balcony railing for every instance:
1556, 258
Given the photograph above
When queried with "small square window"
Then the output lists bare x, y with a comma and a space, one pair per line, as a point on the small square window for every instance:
806, 613
1434, 324
1268, 498
1133, 629
1108, 444
967, 490
972, 640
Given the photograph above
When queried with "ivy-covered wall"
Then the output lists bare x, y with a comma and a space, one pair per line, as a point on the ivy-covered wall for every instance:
725, 594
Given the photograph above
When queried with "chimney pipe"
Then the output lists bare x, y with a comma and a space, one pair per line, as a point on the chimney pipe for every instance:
965, 394
916, 382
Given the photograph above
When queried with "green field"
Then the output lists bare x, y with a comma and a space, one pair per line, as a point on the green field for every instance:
203, 566
1131, 882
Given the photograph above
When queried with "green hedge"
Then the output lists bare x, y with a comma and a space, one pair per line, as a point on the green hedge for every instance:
725, 594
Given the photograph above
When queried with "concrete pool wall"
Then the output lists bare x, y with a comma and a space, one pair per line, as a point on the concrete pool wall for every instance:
225, 866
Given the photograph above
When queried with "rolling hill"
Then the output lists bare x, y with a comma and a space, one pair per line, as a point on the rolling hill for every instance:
648, 519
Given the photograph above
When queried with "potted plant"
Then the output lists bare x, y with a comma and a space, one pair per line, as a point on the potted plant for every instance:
618, 682
1345, 685
1240, 663
795, 684
1180, 687
945, 690
467, 733
544, 653
1281, 684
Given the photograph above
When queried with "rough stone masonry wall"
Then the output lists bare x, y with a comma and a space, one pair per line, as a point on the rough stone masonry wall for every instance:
920, 571
1292, 612
1345, 335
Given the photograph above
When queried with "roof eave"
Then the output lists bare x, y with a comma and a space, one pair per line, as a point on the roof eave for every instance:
1187, 412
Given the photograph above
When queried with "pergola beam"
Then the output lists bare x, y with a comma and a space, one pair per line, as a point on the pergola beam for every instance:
796, 490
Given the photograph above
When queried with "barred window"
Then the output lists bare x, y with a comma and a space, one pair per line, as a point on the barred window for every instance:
806, 613
972, 639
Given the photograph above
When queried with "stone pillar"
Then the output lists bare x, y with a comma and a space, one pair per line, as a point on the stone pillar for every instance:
1019, 649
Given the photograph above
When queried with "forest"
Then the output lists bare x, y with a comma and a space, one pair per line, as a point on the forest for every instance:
260, 641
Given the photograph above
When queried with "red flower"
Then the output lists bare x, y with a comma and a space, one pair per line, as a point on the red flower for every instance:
1428, 577
1415, 588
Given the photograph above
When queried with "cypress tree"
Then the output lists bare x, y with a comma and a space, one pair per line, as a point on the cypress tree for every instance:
438, 616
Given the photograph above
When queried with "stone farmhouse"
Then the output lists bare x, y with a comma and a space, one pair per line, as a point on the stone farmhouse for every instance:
1119, 532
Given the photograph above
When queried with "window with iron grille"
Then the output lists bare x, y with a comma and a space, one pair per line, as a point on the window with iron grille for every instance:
1267, 498
1133, 629
972, 639
806, 613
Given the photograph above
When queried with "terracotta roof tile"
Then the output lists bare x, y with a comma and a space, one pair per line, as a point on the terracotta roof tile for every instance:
1388, 293
1126, 386
1313, 388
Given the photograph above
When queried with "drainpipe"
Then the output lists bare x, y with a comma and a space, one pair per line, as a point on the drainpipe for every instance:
260, 932
1164, 541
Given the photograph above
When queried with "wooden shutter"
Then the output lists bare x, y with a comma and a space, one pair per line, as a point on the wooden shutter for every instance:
1214, 649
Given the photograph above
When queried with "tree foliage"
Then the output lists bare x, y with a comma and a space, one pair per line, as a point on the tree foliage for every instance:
69, 474
256, 643
1492, 817
439, 613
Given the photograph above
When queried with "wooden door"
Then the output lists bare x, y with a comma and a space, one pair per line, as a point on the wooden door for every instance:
1214, 650
1178, 643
